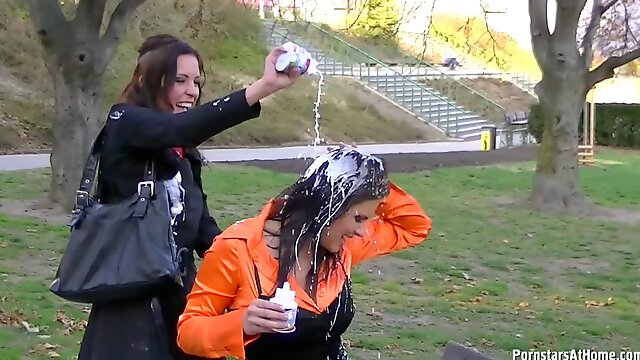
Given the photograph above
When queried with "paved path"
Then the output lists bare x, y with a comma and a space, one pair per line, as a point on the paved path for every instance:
37, 161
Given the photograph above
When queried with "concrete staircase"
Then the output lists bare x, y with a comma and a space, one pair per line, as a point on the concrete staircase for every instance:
524, 82
400, 85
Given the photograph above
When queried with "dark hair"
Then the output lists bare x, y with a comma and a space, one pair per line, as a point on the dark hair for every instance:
331, 185
155, 73
154, 42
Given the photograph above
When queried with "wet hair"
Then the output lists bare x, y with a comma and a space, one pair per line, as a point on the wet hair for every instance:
155, 73
329, 187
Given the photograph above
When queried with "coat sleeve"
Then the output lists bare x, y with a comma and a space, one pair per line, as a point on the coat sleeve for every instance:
206, 328
401, 223
151, 129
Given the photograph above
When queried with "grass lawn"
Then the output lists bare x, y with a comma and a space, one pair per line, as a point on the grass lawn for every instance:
493, 277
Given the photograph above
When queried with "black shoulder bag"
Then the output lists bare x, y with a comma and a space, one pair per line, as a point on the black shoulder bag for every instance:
118, 251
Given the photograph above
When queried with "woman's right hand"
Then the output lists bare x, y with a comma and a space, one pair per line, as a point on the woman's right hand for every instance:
271, 80
263, 316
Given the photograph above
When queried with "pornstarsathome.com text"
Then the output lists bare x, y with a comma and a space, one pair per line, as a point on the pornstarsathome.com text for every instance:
583, 354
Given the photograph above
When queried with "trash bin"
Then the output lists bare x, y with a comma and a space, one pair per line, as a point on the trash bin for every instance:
488, 142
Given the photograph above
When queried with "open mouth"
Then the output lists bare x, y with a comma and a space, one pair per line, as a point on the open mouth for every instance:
184, 106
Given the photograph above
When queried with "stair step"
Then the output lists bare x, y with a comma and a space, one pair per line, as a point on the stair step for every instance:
453, 119
435, 107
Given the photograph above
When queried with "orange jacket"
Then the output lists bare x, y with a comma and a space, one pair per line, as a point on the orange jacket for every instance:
211, 325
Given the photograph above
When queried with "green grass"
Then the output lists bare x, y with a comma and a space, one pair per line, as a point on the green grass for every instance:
497, 278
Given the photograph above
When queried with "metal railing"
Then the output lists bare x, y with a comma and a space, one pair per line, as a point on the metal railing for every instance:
447, 85
524, 81
460, 92
338, 57
513, 136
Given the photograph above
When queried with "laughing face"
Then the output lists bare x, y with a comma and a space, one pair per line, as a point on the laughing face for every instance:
350, 224
184, 93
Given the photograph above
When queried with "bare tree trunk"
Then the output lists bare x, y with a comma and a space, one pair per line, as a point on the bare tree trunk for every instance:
76, 55
561, 93
555, 183
75, 126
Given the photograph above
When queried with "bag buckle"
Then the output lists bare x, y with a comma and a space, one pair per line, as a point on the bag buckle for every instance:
146, 188
82, 199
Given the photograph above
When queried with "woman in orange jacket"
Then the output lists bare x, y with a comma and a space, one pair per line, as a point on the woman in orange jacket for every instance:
341, 211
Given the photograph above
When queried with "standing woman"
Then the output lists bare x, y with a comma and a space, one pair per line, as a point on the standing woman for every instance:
159, 118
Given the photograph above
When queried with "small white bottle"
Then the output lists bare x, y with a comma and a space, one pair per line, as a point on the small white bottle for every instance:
287, 298
296, 57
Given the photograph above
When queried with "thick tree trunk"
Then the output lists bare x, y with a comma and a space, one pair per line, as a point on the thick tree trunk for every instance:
76, 55
555, 183
75, 127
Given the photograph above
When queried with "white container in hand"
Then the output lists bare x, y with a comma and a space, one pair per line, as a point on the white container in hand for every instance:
287, 298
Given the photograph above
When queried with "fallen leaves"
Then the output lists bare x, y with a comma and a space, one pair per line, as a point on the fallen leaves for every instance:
454, 289
14, 318
522, 305
70, 325
479, 298
557, 300
487, 343
48, 349
597, 304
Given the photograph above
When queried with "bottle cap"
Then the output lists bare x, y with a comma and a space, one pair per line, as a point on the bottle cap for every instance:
283, 61
285, 297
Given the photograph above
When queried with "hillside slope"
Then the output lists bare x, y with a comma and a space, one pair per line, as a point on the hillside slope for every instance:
230, 40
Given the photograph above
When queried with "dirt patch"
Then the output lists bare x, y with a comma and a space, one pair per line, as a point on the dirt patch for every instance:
408, 163
504, 93
591, 211
38, 209
14, 88
35, 265
391, 268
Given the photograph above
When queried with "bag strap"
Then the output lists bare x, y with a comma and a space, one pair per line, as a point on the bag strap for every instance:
146, 188
89, 172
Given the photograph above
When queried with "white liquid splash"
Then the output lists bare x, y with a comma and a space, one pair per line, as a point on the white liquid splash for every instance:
316, 113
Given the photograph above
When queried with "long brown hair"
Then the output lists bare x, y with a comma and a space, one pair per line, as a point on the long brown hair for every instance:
155, 73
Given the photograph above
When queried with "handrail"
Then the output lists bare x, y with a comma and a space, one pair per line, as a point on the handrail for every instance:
442, 73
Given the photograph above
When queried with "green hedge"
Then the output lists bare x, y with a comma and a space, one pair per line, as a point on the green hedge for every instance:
616, 125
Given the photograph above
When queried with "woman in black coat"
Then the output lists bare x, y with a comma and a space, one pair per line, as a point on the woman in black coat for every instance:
160, 118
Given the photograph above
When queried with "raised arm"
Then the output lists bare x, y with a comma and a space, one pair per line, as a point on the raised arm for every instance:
152, 129
204, 328
400, 223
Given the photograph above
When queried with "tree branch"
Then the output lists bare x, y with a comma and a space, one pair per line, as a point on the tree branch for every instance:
88, 20
485, 12
605, 70
52, 27
568, 18
540, 36
119, 19
117, 26
594, 22
425, 34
